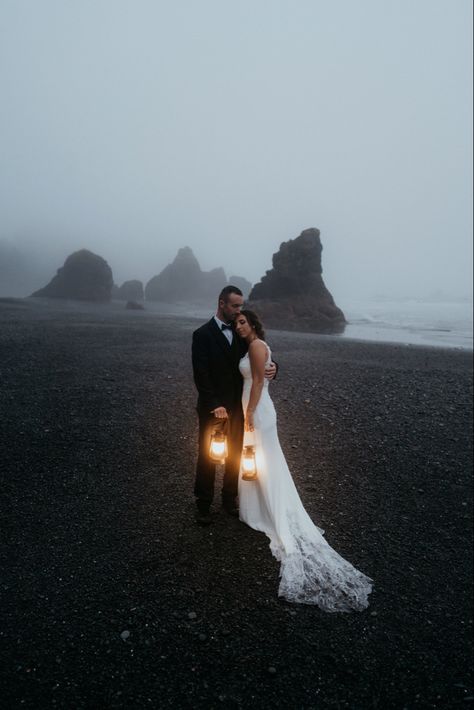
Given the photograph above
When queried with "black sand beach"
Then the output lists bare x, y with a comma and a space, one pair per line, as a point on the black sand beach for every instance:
112, 597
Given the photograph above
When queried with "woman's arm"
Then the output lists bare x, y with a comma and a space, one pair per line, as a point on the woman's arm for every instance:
257, 356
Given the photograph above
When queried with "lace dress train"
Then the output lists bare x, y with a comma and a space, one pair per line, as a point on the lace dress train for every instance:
311, 571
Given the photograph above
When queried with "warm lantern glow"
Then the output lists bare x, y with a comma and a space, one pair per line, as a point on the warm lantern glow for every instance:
249, 464
218, 448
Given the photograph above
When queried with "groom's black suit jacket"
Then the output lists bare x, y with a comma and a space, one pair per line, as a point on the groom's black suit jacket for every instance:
216, 369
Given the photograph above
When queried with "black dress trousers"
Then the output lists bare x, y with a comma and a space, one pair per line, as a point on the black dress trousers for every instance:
206, 469
219, 384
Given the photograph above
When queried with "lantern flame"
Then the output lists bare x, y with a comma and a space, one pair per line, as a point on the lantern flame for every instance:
218, 449
249, 464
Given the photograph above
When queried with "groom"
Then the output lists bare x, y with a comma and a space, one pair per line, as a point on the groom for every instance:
216, 352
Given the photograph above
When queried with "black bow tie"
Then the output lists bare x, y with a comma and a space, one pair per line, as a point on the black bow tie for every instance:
224, 326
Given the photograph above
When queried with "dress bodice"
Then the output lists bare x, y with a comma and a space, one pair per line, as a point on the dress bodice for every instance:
246, 370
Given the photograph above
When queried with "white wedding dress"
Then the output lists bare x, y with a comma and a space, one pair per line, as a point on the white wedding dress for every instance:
311, 572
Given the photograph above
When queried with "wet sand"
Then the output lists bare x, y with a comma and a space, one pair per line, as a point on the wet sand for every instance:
112, 597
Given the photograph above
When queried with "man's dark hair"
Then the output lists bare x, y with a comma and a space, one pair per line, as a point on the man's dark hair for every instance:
227, 290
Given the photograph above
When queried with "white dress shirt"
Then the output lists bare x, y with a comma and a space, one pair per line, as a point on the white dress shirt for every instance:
229, 333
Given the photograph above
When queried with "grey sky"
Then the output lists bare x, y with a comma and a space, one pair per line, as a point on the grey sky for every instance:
134, 128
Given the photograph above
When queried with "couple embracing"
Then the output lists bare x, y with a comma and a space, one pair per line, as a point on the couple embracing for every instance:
233, 368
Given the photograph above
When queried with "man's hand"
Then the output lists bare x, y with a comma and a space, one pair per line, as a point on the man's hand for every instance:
270, 371
220, 412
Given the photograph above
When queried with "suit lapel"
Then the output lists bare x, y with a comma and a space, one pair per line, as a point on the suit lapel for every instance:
235, 348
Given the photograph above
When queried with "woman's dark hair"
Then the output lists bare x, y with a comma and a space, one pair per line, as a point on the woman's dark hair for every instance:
254, 321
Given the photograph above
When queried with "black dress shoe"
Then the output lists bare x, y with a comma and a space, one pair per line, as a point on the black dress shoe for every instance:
203, 517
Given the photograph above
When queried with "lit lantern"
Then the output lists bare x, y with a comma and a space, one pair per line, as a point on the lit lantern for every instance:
218, 447
249, 464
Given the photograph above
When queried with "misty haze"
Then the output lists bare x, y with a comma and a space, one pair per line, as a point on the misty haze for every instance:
230, 130
236, 346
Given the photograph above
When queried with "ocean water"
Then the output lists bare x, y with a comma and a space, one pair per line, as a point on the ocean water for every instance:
445, 324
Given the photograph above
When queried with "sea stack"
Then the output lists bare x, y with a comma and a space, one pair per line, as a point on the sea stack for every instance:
84, 277
183, 281
129, 291
292, 295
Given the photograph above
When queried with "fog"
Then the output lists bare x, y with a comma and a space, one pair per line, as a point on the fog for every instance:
133, 129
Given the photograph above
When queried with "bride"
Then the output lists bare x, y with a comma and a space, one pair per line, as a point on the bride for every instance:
311, 572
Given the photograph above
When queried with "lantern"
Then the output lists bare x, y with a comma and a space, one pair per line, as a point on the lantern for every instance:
218, 446
249, 464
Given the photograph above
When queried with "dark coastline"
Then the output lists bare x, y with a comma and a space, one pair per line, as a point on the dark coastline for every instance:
98, 442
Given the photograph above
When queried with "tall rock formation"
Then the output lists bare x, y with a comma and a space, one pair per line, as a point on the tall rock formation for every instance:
183, 280
177, 280
292, 295
85, 277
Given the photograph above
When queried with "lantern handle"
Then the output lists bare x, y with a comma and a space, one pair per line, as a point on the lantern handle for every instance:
221, 425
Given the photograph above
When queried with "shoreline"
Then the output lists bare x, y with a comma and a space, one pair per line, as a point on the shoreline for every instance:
383, 336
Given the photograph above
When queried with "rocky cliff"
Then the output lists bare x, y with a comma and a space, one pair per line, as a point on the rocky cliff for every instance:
292, 295
85, 276
183, 280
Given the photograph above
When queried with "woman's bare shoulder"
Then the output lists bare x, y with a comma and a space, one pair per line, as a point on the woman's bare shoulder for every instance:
258, 346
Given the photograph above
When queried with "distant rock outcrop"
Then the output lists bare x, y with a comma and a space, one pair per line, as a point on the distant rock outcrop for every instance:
212, 283
292, 295
244, 285
134, 306
177, 280
183, 280
129, 291
85, 276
